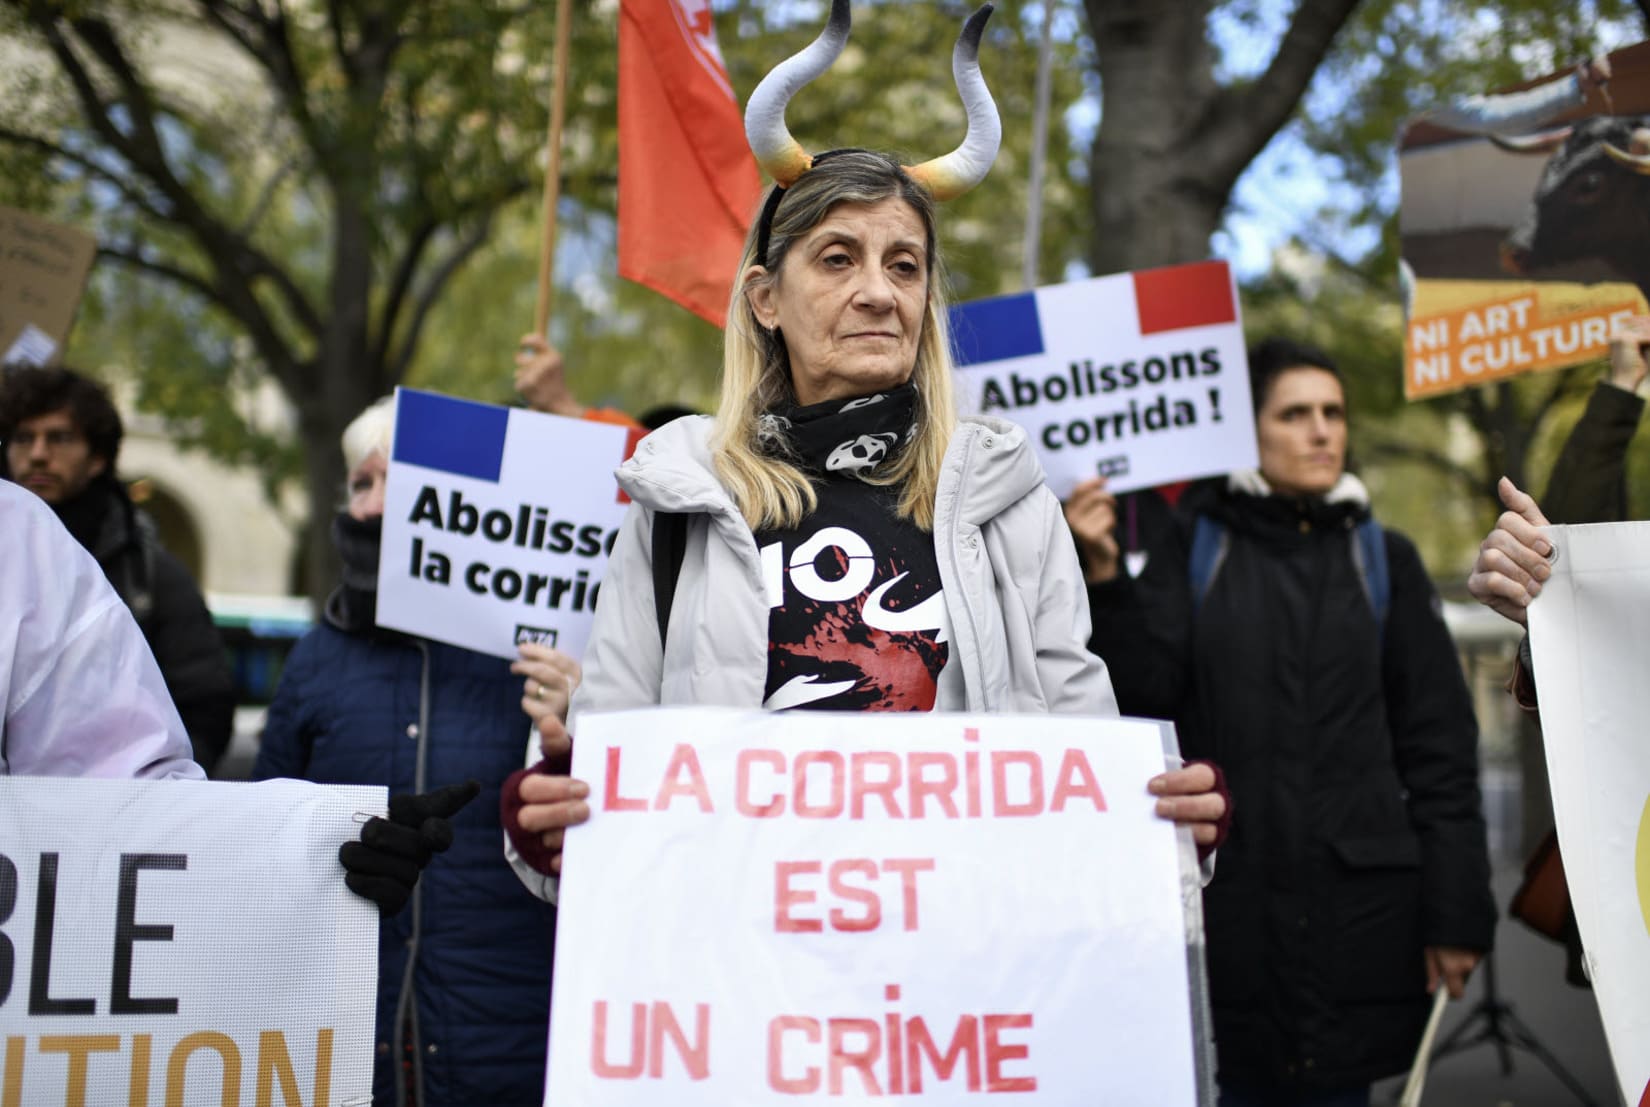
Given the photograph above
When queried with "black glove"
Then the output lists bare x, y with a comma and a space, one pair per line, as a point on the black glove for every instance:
384, 864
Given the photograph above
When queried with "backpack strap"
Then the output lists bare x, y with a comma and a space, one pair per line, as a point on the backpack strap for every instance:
669, 547
1369, 558
1210, 541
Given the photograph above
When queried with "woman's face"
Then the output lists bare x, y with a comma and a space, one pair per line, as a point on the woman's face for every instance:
1301, 430
366, 488
849, 301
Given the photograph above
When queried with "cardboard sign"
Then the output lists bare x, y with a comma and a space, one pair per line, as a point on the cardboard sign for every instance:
1513, 259
1140, 377
1589, 636
43, 268
168, 942
497, 523
825, 907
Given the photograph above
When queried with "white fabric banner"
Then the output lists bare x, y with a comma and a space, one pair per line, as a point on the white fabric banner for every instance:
183, 942
1589, 639
497, 523
772, 908
1138, 377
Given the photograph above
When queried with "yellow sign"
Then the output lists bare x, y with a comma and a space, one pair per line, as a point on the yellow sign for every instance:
1501, 338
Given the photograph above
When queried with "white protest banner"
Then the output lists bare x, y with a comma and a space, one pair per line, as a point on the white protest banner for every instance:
772, 908
1589, 637
497, 523
173, 942
1139, 377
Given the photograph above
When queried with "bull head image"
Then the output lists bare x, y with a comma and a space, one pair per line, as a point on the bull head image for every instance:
1592, 201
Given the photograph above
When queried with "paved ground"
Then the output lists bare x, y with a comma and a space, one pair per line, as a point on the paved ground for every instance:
1530, 979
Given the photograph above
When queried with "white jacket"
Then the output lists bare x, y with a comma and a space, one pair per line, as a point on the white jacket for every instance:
1013, 589
80, 693
1014, 592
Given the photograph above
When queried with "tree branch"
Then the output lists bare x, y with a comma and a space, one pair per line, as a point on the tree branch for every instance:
1242, 123
131, 256
236, 259
102, 173
427, 296
266, 197
400, 283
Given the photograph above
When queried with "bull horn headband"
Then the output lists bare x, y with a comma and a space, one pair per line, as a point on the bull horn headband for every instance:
785, 160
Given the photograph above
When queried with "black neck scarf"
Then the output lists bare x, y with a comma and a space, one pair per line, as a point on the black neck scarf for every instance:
86, 515
353, 605
854, 437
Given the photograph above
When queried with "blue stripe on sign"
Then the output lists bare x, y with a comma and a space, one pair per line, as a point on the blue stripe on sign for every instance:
996, 329
454, 436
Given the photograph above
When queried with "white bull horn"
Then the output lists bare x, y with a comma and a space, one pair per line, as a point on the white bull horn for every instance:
1638, 163
1543, 142
776, 151
954, 174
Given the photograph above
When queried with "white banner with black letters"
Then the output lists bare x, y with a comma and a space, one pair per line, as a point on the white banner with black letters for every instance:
1137, 377
497, 523
182, 942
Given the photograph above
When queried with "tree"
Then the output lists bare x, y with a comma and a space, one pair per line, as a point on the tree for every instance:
304, 202
321, 208
1163, 168
1334, 85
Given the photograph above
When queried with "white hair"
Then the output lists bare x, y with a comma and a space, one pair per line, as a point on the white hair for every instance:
372, 431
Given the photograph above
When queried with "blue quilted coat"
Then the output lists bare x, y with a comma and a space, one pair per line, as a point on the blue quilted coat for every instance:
464, 971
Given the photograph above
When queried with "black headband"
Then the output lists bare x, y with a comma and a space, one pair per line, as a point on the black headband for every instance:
764, 222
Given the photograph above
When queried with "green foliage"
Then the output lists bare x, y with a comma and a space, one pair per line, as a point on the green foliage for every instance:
892, 90
1431, 465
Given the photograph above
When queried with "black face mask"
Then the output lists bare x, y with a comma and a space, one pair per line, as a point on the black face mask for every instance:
354, 605
854, 438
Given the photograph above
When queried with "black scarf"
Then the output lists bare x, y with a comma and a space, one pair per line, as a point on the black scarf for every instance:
87, 515
353, 605
848, 437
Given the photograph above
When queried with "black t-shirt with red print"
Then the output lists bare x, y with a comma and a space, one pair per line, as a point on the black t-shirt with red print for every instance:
856, 615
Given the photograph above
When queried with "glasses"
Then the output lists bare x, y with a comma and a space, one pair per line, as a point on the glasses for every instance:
55, 439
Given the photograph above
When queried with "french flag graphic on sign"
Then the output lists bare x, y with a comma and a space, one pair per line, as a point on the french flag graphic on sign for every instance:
1139, 377
497, 523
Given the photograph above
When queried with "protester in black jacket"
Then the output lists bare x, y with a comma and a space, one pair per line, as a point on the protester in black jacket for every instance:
62, 437
1356, 876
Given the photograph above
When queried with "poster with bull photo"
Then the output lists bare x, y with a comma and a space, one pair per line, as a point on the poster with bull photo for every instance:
1522, 224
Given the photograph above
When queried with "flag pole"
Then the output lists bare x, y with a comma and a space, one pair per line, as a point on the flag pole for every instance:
552, 172
1039, 145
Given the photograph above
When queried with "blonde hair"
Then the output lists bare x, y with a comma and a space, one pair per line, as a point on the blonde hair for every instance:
372, 431
771, 491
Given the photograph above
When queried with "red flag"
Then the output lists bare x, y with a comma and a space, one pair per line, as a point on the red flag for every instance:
688, 185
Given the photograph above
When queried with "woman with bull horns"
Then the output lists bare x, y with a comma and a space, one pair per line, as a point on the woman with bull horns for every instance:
951, 580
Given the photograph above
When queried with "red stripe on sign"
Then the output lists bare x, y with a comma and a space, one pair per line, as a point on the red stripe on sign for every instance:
633, 435
1179, 296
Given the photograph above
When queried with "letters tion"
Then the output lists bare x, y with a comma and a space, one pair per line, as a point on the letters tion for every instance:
139, 966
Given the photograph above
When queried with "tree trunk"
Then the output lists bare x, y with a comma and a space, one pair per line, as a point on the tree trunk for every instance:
1172, 141
1156, 65
323, 489
347, 380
